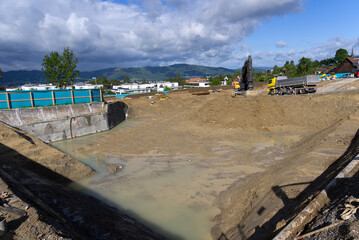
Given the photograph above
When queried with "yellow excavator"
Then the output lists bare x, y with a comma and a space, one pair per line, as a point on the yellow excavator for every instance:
245, 82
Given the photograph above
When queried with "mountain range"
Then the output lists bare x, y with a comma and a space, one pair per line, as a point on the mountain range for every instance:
17, 78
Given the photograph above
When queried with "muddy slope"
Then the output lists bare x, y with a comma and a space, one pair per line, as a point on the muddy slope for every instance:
38, 204
260, 206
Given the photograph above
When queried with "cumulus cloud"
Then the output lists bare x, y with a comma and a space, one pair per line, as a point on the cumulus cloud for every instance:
318, 52
328, 49
281, 44
144, 32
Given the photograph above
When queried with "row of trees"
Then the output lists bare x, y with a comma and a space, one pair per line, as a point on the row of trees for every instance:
306, 66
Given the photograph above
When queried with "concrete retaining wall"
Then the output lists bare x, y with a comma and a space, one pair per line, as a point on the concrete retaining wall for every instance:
56, 123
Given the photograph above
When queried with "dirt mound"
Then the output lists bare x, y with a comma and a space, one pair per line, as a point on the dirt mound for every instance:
27, 146
268, 111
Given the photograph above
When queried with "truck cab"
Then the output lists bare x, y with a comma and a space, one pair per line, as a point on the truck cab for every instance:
272, 82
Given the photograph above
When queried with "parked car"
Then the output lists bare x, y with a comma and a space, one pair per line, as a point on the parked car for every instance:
356, 73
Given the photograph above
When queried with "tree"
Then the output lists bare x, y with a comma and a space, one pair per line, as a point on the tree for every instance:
60, 69
277, 70
215, 82
289, 69
340, 55
327, 62
167, 89
101, 80
260, 77
69, 63
126, 78
170, 79
305, 67
181, 81
52, 68
230, 79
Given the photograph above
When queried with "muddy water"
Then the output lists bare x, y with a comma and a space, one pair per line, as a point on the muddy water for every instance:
173, 194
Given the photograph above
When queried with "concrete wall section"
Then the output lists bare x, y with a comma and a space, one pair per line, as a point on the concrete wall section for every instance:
62, 129
22, 116
65, 122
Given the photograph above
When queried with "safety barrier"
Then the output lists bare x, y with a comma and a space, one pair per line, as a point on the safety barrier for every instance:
37, 98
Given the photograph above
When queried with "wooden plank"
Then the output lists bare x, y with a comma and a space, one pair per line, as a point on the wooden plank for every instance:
31, 99
8, 101
200, 93
72, 96
90, 95
53, 98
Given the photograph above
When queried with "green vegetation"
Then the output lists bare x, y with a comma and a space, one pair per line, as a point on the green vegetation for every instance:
167, 89
60, 69
306, 66
178, 78
341, 55
126, 78
105, 82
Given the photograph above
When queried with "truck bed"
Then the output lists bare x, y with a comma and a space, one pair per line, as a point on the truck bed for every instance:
309, 80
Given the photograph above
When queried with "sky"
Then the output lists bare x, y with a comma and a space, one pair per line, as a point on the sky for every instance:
136, 33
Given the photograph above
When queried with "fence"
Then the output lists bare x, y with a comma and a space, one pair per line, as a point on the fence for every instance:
21, 99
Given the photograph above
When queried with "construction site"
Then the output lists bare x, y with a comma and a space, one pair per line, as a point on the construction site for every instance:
192, 165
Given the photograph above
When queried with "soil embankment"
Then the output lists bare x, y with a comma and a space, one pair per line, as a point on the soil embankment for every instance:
19, 149
37, 203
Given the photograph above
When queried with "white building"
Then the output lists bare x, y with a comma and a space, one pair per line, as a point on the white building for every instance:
144, 87
28, 87
12, 89
85, 86
134, 88
203, 84
161, 86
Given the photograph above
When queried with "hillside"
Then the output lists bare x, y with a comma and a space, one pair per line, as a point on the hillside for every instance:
157, 73
17, 78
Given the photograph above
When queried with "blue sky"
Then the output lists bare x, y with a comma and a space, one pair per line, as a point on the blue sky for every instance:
323, 26
218, 33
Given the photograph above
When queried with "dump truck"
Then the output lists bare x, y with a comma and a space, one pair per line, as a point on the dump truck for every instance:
282, 85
